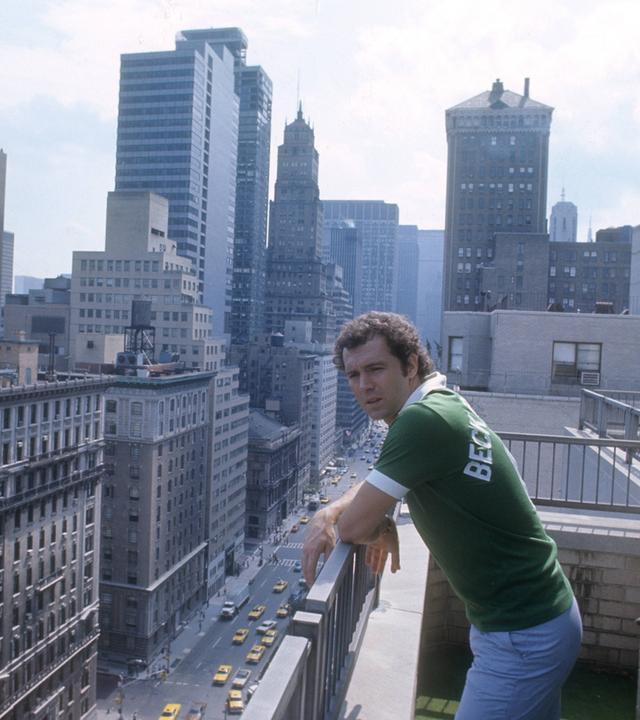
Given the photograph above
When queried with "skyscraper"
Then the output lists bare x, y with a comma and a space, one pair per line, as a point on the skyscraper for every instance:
498, 151
254, 90
296, 275
6, 239
563, 226
343, 246
178, 137
430, 243
377, 225
3, 185
407, 267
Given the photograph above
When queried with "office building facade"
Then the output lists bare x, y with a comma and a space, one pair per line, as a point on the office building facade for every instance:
563, 224
168, 143
226, 503
296, 275
153, 565
377, 225
497, 164
50, 499
44, 315
272, 478
407, 270
140, 262
431, 248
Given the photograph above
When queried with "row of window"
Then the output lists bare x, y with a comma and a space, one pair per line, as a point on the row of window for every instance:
111, 266
497, 187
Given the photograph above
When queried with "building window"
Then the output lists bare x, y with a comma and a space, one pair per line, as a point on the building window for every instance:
571, 360
455, 353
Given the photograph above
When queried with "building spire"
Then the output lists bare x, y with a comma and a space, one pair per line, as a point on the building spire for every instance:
562, 194
300, 116
590, 231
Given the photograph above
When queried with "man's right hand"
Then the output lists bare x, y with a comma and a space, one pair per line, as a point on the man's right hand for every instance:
320, 539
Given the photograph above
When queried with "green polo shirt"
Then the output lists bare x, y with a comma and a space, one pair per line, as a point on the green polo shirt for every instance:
470, 506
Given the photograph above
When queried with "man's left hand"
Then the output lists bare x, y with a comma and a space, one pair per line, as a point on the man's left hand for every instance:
379, 549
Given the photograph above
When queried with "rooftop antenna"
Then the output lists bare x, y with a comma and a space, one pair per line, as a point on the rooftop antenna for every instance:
562, 194
590, 232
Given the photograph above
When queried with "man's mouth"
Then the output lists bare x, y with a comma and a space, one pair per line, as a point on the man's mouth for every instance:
373, 401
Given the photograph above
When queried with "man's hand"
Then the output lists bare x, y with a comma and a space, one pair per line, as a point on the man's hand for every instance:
378, 550
320, 539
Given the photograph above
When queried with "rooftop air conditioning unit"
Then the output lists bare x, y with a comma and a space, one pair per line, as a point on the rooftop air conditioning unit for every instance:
589, 377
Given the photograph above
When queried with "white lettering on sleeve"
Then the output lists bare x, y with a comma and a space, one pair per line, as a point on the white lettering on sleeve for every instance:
483, 454
478, 470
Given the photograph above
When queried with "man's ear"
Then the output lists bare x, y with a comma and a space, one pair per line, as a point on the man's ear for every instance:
412, 365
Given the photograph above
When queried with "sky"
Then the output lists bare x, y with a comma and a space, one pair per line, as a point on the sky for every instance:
374, 77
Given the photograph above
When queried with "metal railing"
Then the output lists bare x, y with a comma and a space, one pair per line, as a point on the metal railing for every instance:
308, 676
614, 414
589, 473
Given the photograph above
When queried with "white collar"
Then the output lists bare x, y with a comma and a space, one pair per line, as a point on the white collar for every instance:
434, 381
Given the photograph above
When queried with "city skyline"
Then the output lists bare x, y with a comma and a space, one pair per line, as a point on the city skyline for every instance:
61, 62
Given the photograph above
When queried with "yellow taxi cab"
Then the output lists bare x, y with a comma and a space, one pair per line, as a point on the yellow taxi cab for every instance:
257, 612
269, 637
222, 674
304, 519
256, 653
170, 711
280, 586
235, 703
240, 636
335, 480
283, 610
324, 500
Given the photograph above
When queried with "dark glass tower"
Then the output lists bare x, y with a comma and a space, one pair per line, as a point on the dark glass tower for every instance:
254, 89
296, 276
498, 155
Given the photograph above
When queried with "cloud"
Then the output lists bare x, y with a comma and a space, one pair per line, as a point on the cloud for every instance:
375, 77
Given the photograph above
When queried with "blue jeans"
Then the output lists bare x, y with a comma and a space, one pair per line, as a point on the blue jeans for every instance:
519, 675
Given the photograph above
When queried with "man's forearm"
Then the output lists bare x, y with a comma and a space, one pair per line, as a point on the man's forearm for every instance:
337, 507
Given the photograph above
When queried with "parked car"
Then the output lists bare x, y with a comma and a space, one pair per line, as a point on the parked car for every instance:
240, 636
222, 674
255, 654
266, 625
241, 678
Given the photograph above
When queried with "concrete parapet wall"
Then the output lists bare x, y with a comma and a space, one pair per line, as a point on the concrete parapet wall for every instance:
525, 413
601, 557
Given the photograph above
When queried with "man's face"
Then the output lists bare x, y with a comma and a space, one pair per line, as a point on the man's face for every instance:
377, 379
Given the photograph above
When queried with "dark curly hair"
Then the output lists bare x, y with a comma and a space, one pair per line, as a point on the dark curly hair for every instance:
401, 336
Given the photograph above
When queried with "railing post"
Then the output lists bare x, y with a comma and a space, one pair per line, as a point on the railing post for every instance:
583, 402
313, 627
631, 431
601, 418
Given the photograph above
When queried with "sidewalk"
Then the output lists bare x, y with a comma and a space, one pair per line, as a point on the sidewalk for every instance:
191, 630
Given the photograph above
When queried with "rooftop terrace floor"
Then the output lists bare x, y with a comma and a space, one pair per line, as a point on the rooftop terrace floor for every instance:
587, 695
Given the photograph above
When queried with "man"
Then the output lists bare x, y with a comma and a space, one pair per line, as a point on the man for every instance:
471, 508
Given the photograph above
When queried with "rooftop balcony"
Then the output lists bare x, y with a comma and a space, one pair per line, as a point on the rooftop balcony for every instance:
357, 648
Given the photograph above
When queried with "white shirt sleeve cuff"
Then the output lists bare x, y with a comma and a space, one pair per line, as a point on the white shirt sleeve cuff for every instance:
386, 484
